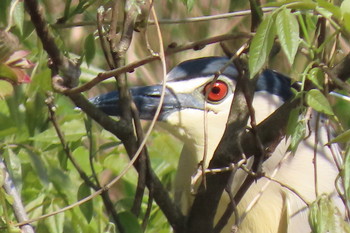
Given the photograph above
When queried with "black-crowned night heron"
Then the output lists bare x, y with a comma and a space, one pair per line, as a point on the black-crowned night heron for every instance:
267, 206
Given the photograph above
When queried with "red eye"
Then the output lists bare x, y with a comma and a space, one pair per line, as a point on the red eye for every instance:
217, 92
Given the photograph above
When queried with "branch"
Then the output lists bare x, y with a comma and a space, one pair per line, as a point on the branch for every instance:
120, 129
17, 204
71, 71
203, 210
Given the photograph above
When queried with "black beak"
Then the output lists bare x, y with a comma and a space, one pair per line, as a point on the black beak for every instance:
147, 99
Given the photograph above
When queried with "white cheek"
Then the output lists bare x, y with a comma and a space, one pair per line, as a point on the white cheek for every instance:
188, 124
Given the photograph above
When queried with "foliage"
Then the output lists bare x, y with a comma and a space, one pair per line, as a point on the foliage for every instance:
36, 156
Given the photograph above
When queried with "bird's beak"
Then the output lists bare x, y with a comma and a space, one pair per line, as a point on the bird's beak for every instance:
147, 99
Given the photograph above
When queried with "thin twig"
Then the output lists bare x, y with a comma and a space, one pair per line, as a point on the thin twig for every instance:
315, 153
176, 21
105, 197
102, 37
144, 162
132, 66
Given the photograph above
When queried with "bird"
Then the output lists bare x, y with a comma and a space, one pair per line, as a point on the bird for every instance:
266, 206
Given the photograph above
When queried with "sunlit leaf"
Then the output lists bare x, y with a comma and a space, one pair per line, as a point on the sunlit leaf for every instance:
345, 6
261, 45
86, 208
316, 100
288, 33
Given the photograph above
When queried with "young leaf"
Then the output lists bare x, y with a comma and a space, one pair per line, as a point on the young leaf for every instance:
288, 32
261, 45
86, 208
89, 48
316, 76
316, 100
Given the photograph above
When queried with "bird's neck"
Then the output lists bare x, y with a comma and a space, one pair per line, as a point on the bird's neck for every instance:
200, 145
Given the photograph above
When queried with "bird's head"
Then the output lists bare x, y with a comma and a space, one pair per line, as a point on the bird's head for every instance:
184, 104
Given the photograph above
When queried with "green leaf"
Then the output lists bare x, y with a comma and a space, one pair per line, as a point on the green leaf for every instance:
73, 130
2, 177
13, 164
297, 136
7, 73
342, 138
89, 47
325, 217
346, 176
56, 222
189, 4
129, 222
288, 32
87, 208
6, 89
18, 15
346, 21
81, 155
293, 121
316, 100
345, 10
330, 7
316, 76
261, 45
345, 6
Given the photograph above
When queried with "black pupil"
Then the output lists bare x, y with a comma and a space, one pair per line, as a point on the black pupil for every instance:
215, 90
